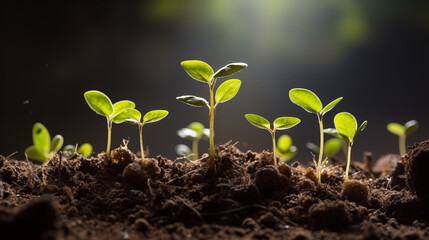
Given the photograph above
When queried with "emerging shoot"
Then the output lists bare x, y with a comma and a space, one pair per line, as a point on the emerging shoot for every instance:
194, 132
285, 149
346, 128
402, 132
43, 148
85, 149
133, 116
280, 123
202, 72
102, 105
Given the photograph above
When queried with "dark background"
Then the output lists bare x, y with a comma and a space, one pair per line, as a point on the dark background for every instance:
373, 53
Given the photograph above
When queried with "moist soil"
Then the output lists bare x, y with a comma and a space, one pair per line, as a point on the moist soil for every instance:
243, 197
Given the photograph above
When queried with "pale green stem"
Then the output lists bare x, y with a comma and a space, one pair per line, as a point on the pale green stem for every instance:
141, 145
211, 115
195, 148
402, 147
273, 135
109, 136
319, 162
349, 153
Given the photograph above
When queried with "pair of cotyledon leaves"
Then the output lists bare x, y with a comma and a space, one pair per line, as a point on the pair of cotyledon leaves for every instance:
202, 72
402, 130
43, 146
280, 123
120, 111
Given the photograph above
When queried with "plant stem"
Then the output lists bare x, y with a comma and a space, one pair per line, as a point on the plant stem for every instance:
273, 135
349, 153
402, 148
211, 115
195, 148
141, 146
319, 162
109, 136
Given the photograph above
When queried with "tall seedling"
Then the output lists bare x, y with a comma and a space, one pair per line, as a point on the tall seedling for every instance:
311, 103
202, 72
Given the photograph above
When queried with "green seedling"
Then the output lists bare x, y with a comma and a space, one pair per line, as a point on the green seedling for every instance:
43, 148
347, 130
183, 150
280, 123
133, 116
402, 132
85, 149
194, 132
202, 72
311, 103
102, 105
285, 149
331, 147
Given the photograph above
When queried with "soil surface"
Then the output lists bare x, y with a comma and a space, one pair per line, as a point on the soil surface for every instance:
243, 197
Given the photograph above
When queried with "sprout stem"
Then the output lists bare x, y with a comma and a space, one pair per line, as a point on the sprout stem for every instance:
402, 148
319, 162
349, 153
141, 146
109, 136
211, 115
273, 135
195, 148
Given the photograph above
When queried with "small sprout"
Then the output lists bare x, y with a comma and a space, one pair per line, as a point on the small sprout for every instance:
347, 130
43, 147
280, 123
402, 132
285, 149
331, 147
102, 105
133, 116
194, 132
202, 72
85, 149
183, 150
311, 103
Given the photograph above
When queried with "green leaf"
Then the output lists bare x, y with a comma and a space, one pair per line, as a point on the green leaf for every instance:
331, 131
229, 69
411, 126
361, 128
198, 70
197, 127
331, 105
187, 133
282, 123
193, 100
332, 146
346, 125
154, 116
396, 128
227, 90
120, 118
34, 154
258, 121
183, 150
313, 147
85, 149
306, 99
69, 148
132, 114
286, 156
121, 105
41, 138
284, 143
57, 143
99, 102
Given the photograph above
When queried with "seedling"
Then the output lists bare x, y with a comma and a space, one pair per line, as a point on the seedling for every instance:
43, 148
311, 103
331, 147
346, 129
402, 132
194, 132
285, 149
102, 105
133, 116
85, 149
280, 123
202, 72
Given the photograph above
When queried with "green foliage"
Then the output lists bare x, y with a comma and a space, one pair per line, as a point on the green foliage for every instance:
193, 101
194, 132
227, 90
85, 149
198, 70
229, 69
99, 102
258, 121
285, 149
346, 127
405, 129
43, 148
331, 147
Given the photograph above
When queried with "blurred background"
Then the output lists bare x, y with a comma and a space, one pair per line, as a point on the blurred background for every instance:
372, 53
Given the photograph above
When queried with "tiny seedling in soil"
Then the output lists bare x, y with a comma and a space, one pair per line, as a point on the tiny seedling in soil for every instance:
202, 72
311, 103
402, 132
285, 149
331, 147
280, 123
84, 149
43, 147
133, 116
346, 129
102, 105
194, 132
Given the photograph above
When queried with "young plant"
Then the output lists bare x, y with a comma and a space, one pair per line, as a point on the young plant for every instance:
402, 132
346, 129
202, 72
285, 149
311, 103
280, 123
133, 116
43, 148
331, 147
102, 105
84, 149
194, 132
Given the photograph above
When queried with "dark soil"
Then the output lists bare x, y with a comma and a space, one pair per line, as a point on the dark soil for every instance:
246, 198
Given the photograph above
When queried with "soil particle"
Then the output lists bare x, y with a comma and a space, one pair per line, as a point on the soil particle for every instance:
386, 164
355, 191
141, 224
268, 179
152, 167
417, 170
330, 215
269, 220
249, 223
135, 175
